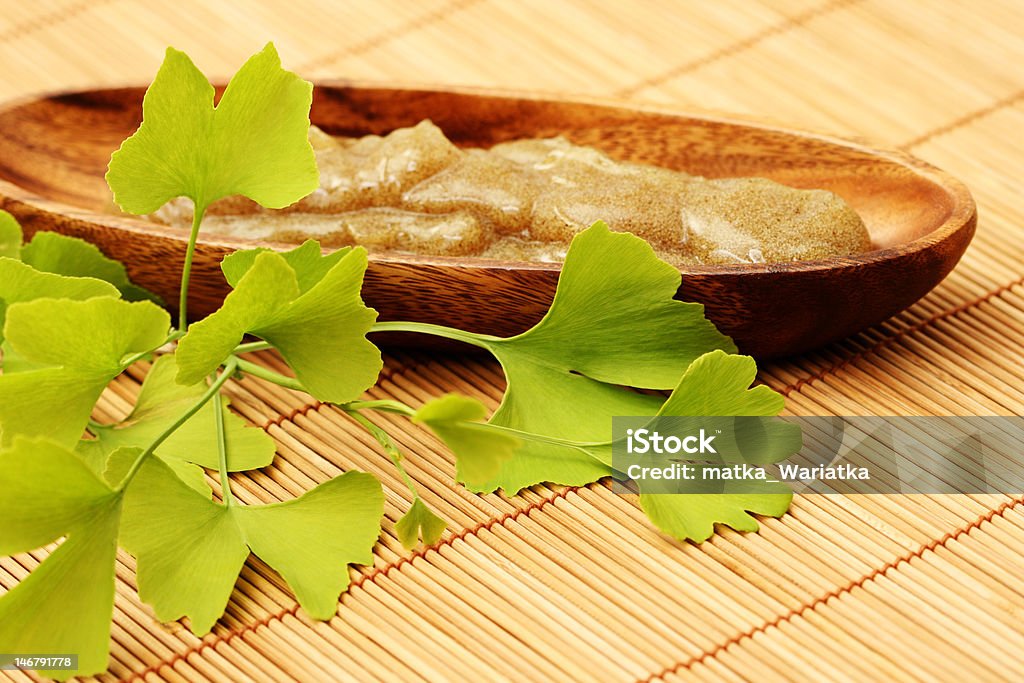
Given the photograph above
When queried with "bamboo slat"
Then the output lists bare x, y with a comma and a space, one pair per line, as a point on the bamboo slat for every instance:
572, 583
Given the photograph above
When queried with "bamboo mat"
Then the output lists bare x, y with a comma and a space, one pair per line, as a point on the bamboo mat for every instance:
573, 584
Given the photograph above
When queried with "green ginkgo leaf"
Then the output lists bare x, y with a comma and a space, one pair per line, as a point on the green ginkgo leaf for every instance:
51, 252
479, 451
190, 549
77, 347
308, 261
320, 330
419, 523
254, 142
49, 493
20, 282
161, 402
718, 384
614, 321
10, 236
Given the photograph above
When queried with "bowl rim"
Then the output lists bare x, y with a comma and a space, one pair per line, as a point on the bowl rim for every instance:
962, 216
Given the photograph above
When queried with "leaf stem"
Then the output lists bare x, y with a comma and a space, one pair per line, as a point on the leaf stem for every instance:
222, 450
385, 406
384, 439
479, 340
186, 271
539, 438
391, 406
351, 409
175, 335
255, 370
581, 446
213, 390
253, 346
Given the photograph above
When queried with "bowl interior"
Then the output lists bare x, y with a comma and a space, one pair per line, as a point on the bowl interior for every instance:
54, 152
58, 148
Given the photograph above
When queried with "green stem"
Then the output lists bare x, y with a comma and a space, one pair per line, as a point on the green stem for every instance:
384, 439
252, 346
222, 450
213, 390
186, 271
269, 375
390, 406
480, 340
539, 438
385, 406
581, 446
131, 360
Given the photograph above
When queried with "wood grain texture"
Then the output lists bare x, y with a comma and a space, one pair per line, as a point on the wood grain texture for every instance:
53, 153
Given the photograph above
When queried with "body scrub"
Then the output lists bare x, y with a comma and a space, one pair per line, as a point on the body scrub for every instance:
413, 191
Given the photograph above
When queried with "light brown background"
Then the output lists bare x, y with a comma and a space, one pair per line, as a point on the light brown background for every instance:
573, 584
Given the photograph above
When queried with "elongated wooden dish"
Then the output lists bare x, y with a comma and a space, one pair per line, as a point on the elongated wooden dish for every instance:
54, 151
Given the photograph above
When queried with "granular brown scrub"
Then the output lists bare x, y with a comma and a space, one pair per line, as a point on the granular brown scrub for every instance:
413, 191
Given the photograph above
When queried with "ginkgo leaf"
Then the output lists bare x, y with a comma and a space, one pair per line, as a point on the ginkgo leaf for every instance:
254, 142
308, 261
693, 515
614, 321
81, 346
51, 252
311, 539
20, 282
190, 549
259, 296
321, 331
161, 402
479, 451
614, 317
93, 455
418, 523
718, 384
49, 493
10, 236
96, 455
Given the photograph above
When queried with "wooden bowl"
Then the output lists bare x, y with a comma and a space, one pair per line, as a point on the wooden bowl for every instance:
54, 152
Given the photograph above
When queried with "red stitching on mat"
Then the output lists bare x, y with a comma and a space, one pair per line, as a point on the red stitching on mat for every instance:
281, 419
965, 119
999, 291
385, 374
370, 576
888, 341
836, 592
737, 47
